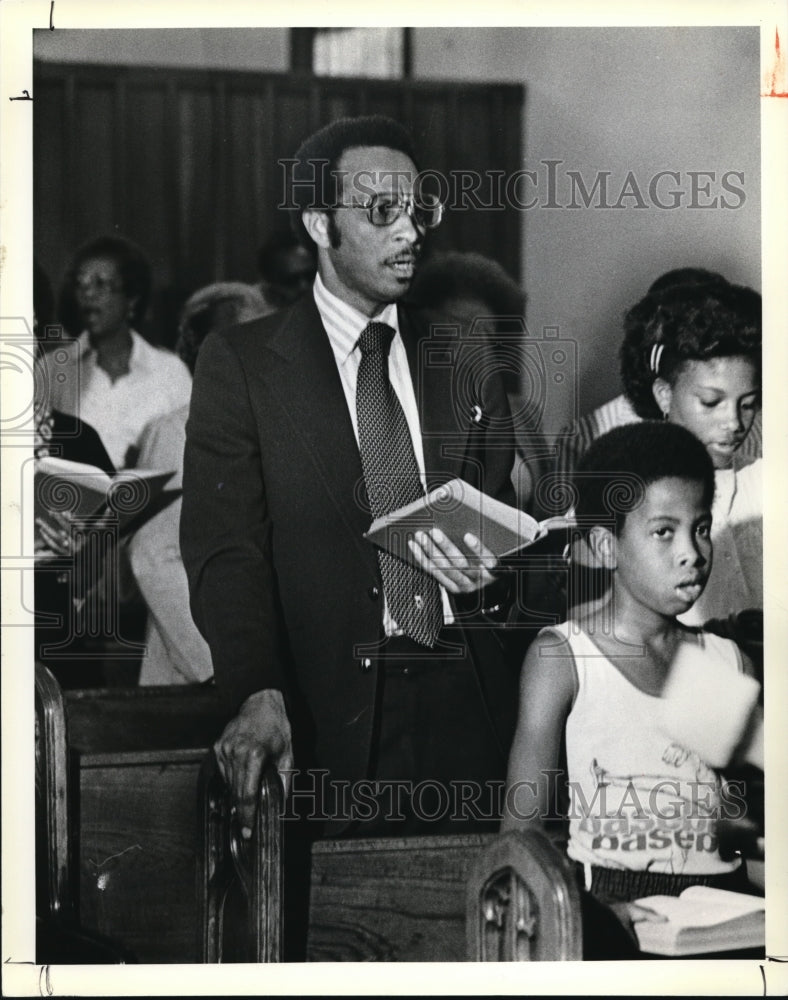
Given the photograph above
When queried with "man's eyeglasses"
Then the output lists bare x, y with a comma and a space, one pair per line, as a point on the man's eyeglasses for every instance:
425, 210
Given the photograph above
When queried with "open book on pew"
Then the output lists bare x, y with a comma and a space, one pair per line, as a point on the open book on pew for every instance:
702, 920
457, 508
85, 490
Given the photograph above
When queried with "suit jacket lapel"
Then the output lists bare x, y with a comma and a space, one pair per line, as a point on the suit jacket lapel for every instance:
444, 427
302, 372
308, 385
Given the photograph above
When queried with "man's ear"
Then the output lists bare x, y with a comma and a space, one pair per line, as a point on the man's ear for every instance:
602, 543
662, 395
316, 224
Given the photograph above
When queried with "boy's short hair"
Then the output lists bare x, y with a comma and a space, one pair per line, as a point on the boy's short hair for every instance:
611, 478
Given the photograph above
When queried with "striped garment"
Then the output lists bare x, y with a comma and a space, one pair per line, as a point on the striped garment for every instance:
576, 437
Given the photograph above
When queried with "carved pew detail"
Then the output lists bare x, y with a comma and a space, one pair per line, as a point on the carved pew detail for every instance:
231, 866
60, 938
52, 795
448, 898
523, 904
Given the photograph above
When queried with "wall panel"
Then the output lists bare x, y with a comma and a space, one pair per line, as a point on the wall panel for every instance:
147, 171
197, 183
50, 168
186, 162
92, 182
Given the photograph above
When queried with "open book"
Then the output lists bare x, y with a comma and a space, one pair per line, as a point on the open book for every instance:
85, 490
701, 920
458, 508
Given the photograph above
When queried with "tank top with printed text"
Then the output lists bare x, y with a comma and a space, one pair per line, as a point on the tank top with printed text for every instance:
637, 799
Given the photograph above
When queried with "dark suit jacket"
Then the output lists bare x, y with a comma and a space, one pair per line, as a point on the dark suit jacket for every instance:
284, 587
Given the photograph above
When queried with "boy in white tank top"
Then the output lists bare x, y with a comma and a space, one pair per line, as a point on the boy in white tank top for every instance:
643, 810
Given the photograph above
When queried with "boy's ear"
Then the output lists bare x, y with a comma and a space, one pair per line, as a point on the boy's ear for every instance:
602, 543
662, 395
316, 224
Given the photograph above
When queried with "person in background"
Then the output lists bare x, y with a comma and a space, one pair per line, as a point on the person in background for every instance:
695, 360
477, 293
57, 433
175, 651
61, 592
46, 333
467, 287
592, 684
110, 376
575, 439
692, 323
287, 269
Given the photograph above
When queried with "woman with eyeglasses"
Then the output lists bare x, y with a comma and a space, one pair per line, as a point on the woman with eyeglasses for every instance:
108, 383
110, 376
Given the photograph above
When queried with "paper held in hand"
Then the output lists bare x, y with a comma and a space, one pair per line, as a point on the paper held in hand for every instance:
458, 508
726, 725
702, 920
85, 490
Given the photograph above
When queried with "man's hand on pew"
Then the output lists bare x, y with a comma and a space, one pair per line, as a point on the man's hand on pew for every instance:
258, 734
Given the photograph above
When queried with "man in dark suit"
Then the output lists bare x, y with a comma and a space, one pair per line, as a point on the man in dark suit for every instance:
281, 479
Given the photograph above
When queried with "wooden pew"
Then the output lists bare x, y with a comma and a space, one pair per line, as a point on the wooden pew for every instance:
60, 938
235, 877
391, 899
477, 897
523, 903
127, 784
119, 841
54, 888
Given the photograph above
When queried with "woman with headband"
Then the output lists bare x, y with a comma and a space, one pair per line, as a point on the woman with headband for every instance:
692, 355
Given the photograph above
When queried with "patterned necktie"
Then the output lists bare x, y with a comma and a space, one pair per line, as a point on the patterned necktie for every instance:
391, 474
